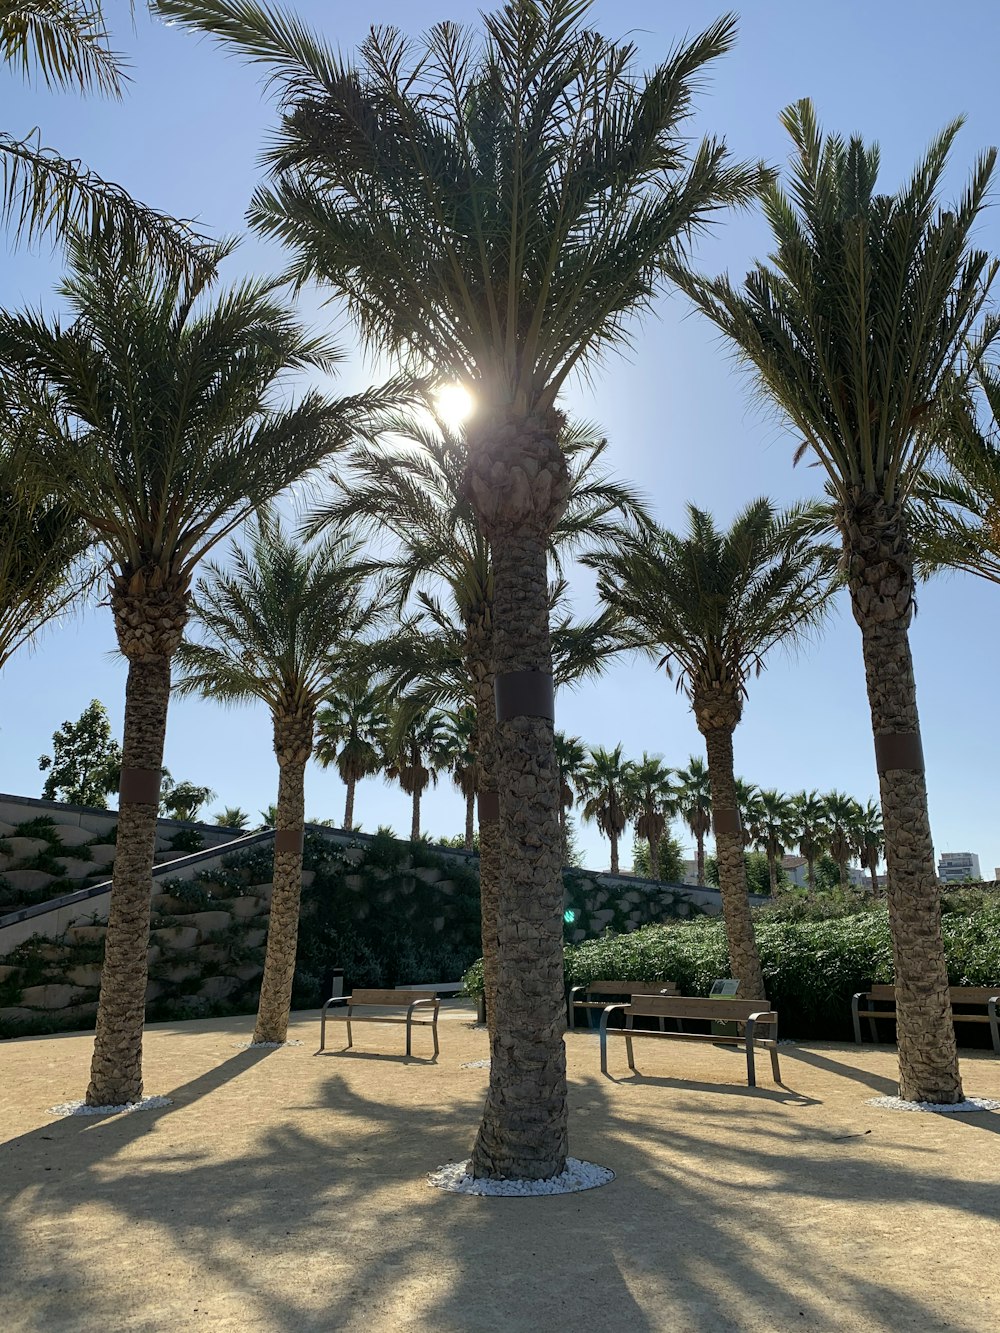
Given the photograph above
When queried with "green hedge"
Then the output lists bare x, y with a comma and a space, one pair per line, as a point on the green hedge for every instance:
811, 968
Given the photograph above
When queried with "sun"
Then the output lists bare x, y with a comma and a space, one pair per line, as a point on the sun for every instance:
454, 405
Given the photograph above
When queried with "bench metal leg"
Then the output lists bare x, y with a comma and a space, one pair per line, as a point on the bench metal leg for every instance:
774, 1064
874, 1030
994, 1023
350, 1039
751, 1072
604, 1050
434, 1034
628, 1043
409, 1032
855, 1019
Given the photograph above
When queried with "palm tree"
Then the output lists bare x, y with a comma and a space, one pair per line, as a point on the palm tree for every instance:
182, 800
460, 753
652, 801
273, 627
571, 758
604, 780
350, 728
694, 805
773, 828
748, 803
414, 752
232, 816
495, 212
855, 328
871, 839
841, 817
712, 605
67, 46
811, 835
166, 433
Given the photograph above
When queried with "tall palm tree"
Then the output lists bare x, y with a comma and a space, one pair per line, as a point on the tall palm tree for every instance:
605, 780
842, 814
773, 828
871, 839
409, 496
571, 758
651, 800
273, 627
460, 752
65, 45
414, 752
811, 836
166, 433
350, 727
748, 803
694, 805
855, 327
712, 605
495, 211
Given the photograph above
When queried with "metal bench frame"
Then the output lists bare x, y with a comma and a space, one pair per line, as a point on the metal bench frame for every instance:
681, 1007
389, 1000
878, 994
574, 1003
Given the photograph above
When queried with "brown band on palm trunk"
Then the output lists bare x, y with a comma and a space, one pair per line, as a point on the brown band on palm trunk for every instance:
727, 821
140, 786
900, 750
524, 694
489, 807
288, 840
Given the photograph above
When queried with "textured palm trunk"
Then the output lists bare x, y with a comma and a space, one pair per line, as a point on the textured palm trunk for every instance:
810, 872
654, 857
479, 650
293, 738
873, 871
470, 821
843, 876
717, 721
349, 804
772, 872
700, 854
564, 831
518, 482
149, 625
613, 837
880, 578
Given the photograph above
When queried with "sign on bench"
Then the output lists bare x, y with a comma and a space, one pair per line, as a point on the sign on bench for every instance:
984, 999
398, 1006
753, 1013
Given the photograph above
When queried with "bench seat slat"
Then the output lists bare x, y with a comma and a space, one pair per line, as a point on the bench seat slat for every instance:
669, 1006
689, 1036
890, 1013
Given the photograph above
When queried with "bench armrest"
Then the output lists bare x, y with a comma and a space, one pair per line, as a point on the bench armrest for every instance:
570, 1001
432, 1003
767, 1017
336, 999
611, 1008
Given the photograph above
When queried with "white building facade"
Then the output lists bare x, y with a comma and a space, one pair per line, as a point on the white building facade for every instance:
954, 867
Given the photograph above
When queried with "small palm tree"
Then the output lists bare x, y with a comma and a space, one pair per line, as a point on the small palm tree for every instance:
350, 730
273, 627
652, 801
460, 753
694, 805
165, 432
510, 203
414, 752
811, 836
855, 328
712, 605
748, 803
66, 45
182, 800
604, 780
571, 759
871, 839
232, 816
842, 817
773, 827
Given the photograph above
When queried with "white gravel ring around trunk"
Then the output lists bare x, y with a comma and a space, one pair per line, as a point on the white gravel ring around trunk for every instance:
475, 1064
265, 1045
455, 1178
81, 1108
937, 1108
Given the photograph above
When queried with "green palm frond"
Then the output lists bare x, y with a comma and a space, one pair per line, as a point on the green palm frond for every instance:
64, 42
351, 726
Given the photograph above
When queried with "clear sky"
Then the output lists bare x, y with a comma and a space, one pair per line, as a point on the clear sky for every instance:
682, 424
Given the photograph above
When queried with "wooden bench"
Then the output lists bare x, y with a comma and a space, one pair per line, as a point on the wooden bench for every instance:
983, 998
438, 988
754, 1013
611, 989
388, 1000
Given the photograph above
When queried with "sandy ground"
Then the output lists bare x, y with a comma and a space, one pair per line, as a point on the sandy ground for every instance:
285, 1191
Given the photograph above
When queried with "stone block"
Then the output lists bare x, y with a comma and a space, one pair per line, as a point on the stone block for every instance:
446, 886
154, 989
81, 934
6, 971
103, 853
74, 868
207, 923
354, 882
178, 972
52, 952
23, 849
253, 939
28, 880
248, 971
438, 924
176, 937
72, 835
599, 920
18, 1015
218, 988
80, 1013
153, 954
6, 830
307, 878
87, 974
245, 909
429, 874
56, 996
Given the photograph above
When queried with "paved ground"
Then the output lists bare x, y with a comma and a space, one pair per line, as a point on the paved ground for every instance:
285, 1192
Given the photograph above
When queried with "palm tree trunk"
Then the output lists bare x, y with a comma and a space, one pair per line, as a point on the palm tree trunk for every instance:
880, 578
811, 872
349, 805
772, 872
293, 738
842, 872
116, 1067
479, 657
470, 821
873, 871
415, 816
654, 856
700, 854
743, 956
614, 852
518, 481
564, 832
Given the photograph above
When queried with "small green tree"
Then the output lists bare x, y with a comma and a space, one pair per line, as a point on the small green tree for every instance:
182, 800
85, 763
670, 869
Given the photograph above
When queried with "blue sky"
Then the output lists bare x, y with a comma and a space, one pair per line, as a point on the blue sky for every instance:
681, 422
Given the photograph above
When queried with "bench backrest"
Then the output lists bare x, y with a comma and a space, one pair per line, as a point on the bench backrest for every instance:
682, 1006
958, 994
631, 987
393, 997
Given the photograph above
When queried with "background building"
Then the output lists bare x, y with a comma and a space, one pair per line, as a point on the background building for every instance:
953, 867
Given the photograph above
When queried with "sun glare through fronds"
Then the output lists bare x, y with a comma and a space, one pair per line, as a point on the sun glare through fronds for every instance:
454, 405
